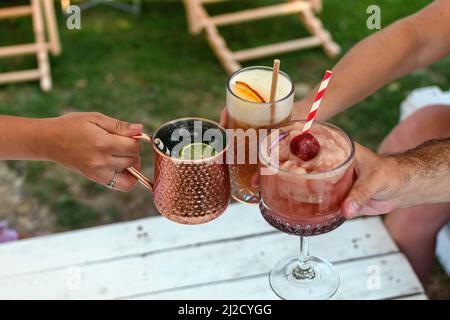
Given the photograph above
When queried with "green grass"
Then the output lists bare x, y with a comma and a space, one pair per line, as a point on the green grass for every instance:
149, 69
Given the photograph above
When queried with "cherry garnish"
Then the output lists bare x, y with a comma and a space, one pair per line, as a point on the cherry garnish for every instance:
305, 146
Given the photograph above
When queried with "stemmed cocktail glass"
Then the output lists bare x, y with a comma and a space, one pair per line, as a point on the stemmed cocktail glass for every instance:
304, 198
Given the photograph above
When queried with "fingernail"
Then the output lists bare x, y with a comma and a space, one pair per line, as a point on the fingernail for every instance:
135, 127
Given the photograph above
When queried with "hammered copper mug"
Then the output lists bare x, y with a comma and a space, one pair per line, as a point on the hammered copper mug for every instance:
187, 191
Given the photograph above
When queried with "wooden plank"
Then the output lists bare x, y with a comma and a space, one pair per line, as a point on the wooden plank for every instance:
158, 234
223, 53
18, 76
65, 4
186, 266
215, 40
317, 5
52, 28
16, 50
42, 54
277, 48
194, 24
15, 12
396, 279
259, 13
315, 27
124, 239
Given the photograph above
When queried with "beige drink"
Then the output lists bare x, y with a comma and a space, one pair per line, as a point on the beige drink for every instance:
248, 109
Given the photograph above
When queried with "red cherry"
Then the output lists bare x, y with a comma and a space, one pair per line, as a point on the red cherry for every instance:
305, 146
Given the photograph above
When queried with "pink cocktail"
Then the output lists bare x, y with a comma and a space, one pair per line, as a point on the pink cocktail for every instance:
304, 198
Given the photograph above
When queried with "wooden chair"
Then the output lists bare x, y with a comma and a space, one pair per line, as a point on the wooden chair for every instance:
39, 10
199, 20
134, 7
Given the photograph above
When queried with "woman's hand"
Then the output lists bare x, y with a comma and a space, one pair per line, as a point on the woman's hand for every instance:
95, 146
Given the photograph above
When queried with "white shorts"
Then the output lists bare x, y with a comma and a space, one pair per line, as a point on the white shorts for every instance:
421, 98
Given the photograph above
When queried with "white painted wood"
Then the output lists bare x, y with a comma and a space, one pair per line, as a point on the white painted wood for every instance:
125, 239
359, 279
396, 279
186, 266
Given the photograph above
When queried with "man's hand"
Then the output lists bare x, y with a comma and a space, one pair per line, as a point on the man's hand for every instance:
95, 146
379, 180
417, 176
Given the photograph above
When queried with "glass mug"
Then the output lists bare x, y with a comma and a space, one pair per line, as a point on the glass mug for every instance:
247, 115
188, 191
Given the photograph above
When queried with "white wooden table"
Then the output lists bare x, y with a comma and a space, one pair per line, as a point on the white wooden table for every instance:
228, 258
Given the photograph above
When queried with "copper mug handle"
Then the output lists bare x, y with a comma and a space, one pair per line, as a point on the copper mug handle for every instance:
136, 173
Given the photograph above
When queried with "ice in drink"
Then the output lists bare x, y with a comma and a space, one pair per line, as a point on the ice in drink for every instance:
305, 197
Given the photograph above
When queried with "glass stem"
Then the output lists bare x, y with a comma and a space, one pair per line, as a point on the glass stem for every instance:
303, 269
304, 251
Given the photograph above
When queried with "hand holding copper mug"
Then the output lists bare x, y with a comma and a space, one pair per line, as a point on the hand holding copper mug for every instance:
191, 181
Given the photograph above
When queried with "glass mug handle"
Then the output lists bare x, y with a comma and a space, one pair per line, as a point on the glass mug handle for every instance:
136, 173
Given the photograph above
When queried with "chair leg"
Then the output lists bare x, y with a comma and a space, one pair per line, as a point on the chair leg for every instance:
190, 7
215, 40
221, 50
317, 5
65, 4
42, 55
52, 28
314, 26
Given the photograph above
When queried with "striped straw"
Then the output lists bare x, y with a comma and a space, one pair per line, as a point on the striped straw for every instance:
317, 100
162, 147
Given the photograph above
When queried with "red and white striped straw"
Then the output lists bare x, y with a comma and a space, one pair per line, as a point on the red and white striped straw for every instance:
317, 100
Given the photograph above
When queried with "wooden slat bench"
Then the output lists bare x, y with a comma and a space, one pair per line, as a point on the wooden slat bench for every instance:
228, 258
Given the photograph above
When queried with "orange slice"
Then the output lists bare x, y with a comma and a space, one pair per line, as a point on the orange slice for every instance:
246, 92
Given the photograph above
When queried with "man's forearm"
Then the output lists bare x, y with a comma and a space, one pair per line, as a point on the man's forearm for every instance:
387, 55
24, 138
426, 171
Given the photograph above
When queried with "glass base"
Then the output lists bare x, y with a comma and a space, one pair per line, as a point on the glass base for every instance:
318, 282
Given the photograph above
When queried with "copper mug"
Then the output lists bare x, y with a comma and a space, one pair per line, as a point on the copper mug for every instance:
187, 191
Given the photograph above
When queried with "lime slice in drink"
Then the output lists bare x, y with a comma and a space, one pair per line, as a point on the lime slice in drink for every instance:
197, 151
